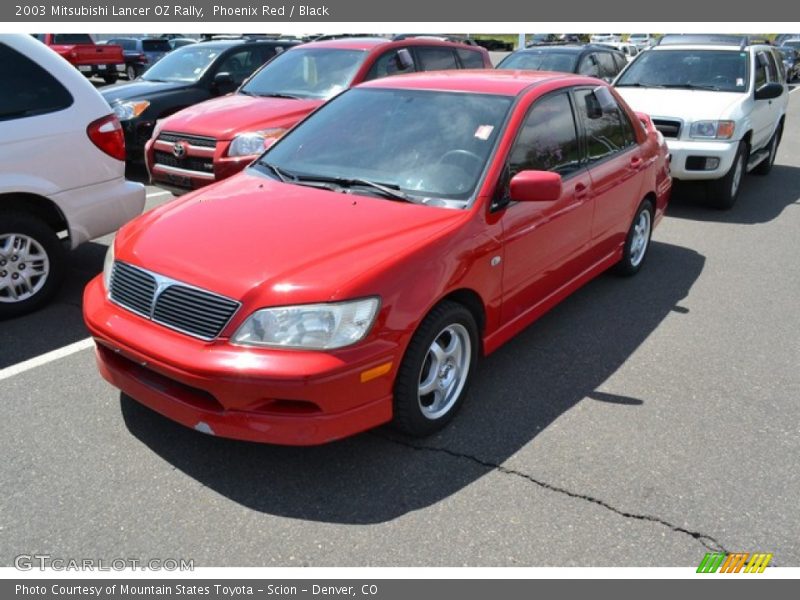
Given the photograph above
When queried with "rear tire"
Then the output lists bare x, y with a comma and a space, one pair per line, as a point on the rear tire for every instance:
436, 371
32, 263
131, 72
724, 192
638, 241
109, 79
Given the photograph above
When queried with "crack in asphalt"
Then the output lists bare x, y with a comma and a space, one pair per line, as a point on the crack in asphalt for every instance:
709, 542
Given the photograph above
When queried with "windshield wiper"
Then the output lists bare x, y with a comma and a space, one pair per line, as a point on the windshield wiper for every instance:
389, 190
275, 95
692, 86
281, 174
640, 85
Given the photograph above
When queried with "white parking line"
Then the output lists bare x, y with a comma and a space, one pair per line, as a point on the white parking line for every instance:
157, 194
43, 359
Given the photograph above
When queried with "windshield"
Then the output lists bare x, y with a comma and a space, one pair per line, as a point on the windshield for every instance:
541, 60
718, 70
792, 44
185, 64
307, 73
430, 146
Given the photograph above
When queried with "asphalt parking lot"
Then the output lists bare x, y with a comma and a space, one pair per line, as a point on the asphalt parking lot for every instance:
642, 422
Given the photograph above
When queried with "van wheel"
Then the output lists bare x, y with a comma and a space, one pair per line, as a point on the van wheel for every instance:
638, 241
724, 192
32, 262
436, 371
765, 166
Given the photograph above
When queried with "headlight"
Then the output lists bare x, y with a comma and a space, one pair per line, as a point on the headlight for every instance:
309, 326
108, 264
254, 142
712, 130
126, 111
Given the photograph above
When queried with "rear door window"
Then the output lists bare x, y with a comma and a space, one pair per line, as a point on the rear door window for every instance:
470, 59
607, 66
607, 130
589, 66
28, 89
433, 58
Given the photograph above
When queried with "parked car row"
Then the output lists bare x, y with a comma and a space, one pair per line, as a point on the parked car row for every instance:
368, 238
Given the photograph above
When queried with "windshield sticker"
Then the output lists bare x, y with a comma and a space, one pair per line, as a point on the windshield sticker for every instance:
739, 82
484, 131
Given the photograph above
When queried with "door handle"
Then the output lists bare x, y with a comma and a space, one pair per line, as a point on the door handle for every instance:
636, 162
581, 191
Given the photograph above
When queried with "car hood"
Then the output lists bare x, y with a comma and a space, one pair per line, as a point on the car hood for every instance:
138, 89
222, 118
687, 105
269, 243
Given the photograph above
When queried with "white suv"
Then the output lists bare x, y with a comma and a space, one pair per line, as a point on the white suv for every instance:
62, 171
719, 102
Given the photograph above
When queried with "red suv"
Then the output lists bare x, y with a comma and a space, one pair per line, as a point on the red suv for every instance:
213, 140
356, 272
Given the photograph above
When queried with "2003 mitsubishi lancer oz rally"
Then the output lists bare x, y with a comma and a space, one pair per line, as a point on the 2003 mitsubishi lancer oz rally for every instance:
355, 272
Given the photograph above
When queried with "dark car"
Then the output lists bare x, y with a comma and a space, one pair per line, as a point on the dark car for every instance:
182, 78
141, 53
791, 62
594, 60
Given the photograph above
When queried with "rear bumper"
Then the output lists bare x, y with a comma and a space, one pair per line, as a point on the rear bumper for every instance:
274, 396
100, 209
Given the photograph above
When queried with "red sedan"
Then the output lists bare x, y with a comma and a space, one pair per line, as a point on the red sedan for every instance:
355, 273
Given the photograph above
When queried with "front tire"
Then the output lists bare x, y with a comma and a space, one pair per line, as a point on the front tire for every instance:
638, 241
436, 370
130, 72
724, 192
32, 262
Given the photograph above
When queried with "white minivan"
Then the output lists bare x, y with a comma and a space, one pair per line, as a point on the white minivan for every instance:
62, 171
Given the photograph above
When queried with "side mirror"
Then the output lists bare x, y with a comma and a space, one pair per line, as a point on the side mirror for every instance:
535, 186
404, 60
768, 91
223, 83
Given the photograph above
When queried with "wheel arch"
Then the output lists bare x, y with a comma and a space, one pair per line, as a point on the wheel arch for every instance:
36, 205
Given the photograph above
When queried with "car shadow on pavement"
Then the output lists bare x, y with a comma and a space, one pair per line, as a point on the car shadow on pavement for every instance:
761, 199
60, 322
517, 393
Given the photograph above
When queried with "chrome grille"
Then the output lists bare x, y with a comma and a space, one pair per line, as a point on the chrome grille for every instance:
194, 140
132, 288
171, 303
668, 127
193, 311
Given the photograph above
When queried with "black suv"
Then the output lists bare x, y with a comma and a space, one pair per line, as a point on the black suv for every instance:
594, 60
184, 77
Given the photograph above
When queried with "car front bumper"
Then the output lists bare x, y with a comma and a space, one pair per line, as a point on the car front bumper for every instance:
685, 152
285, 397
